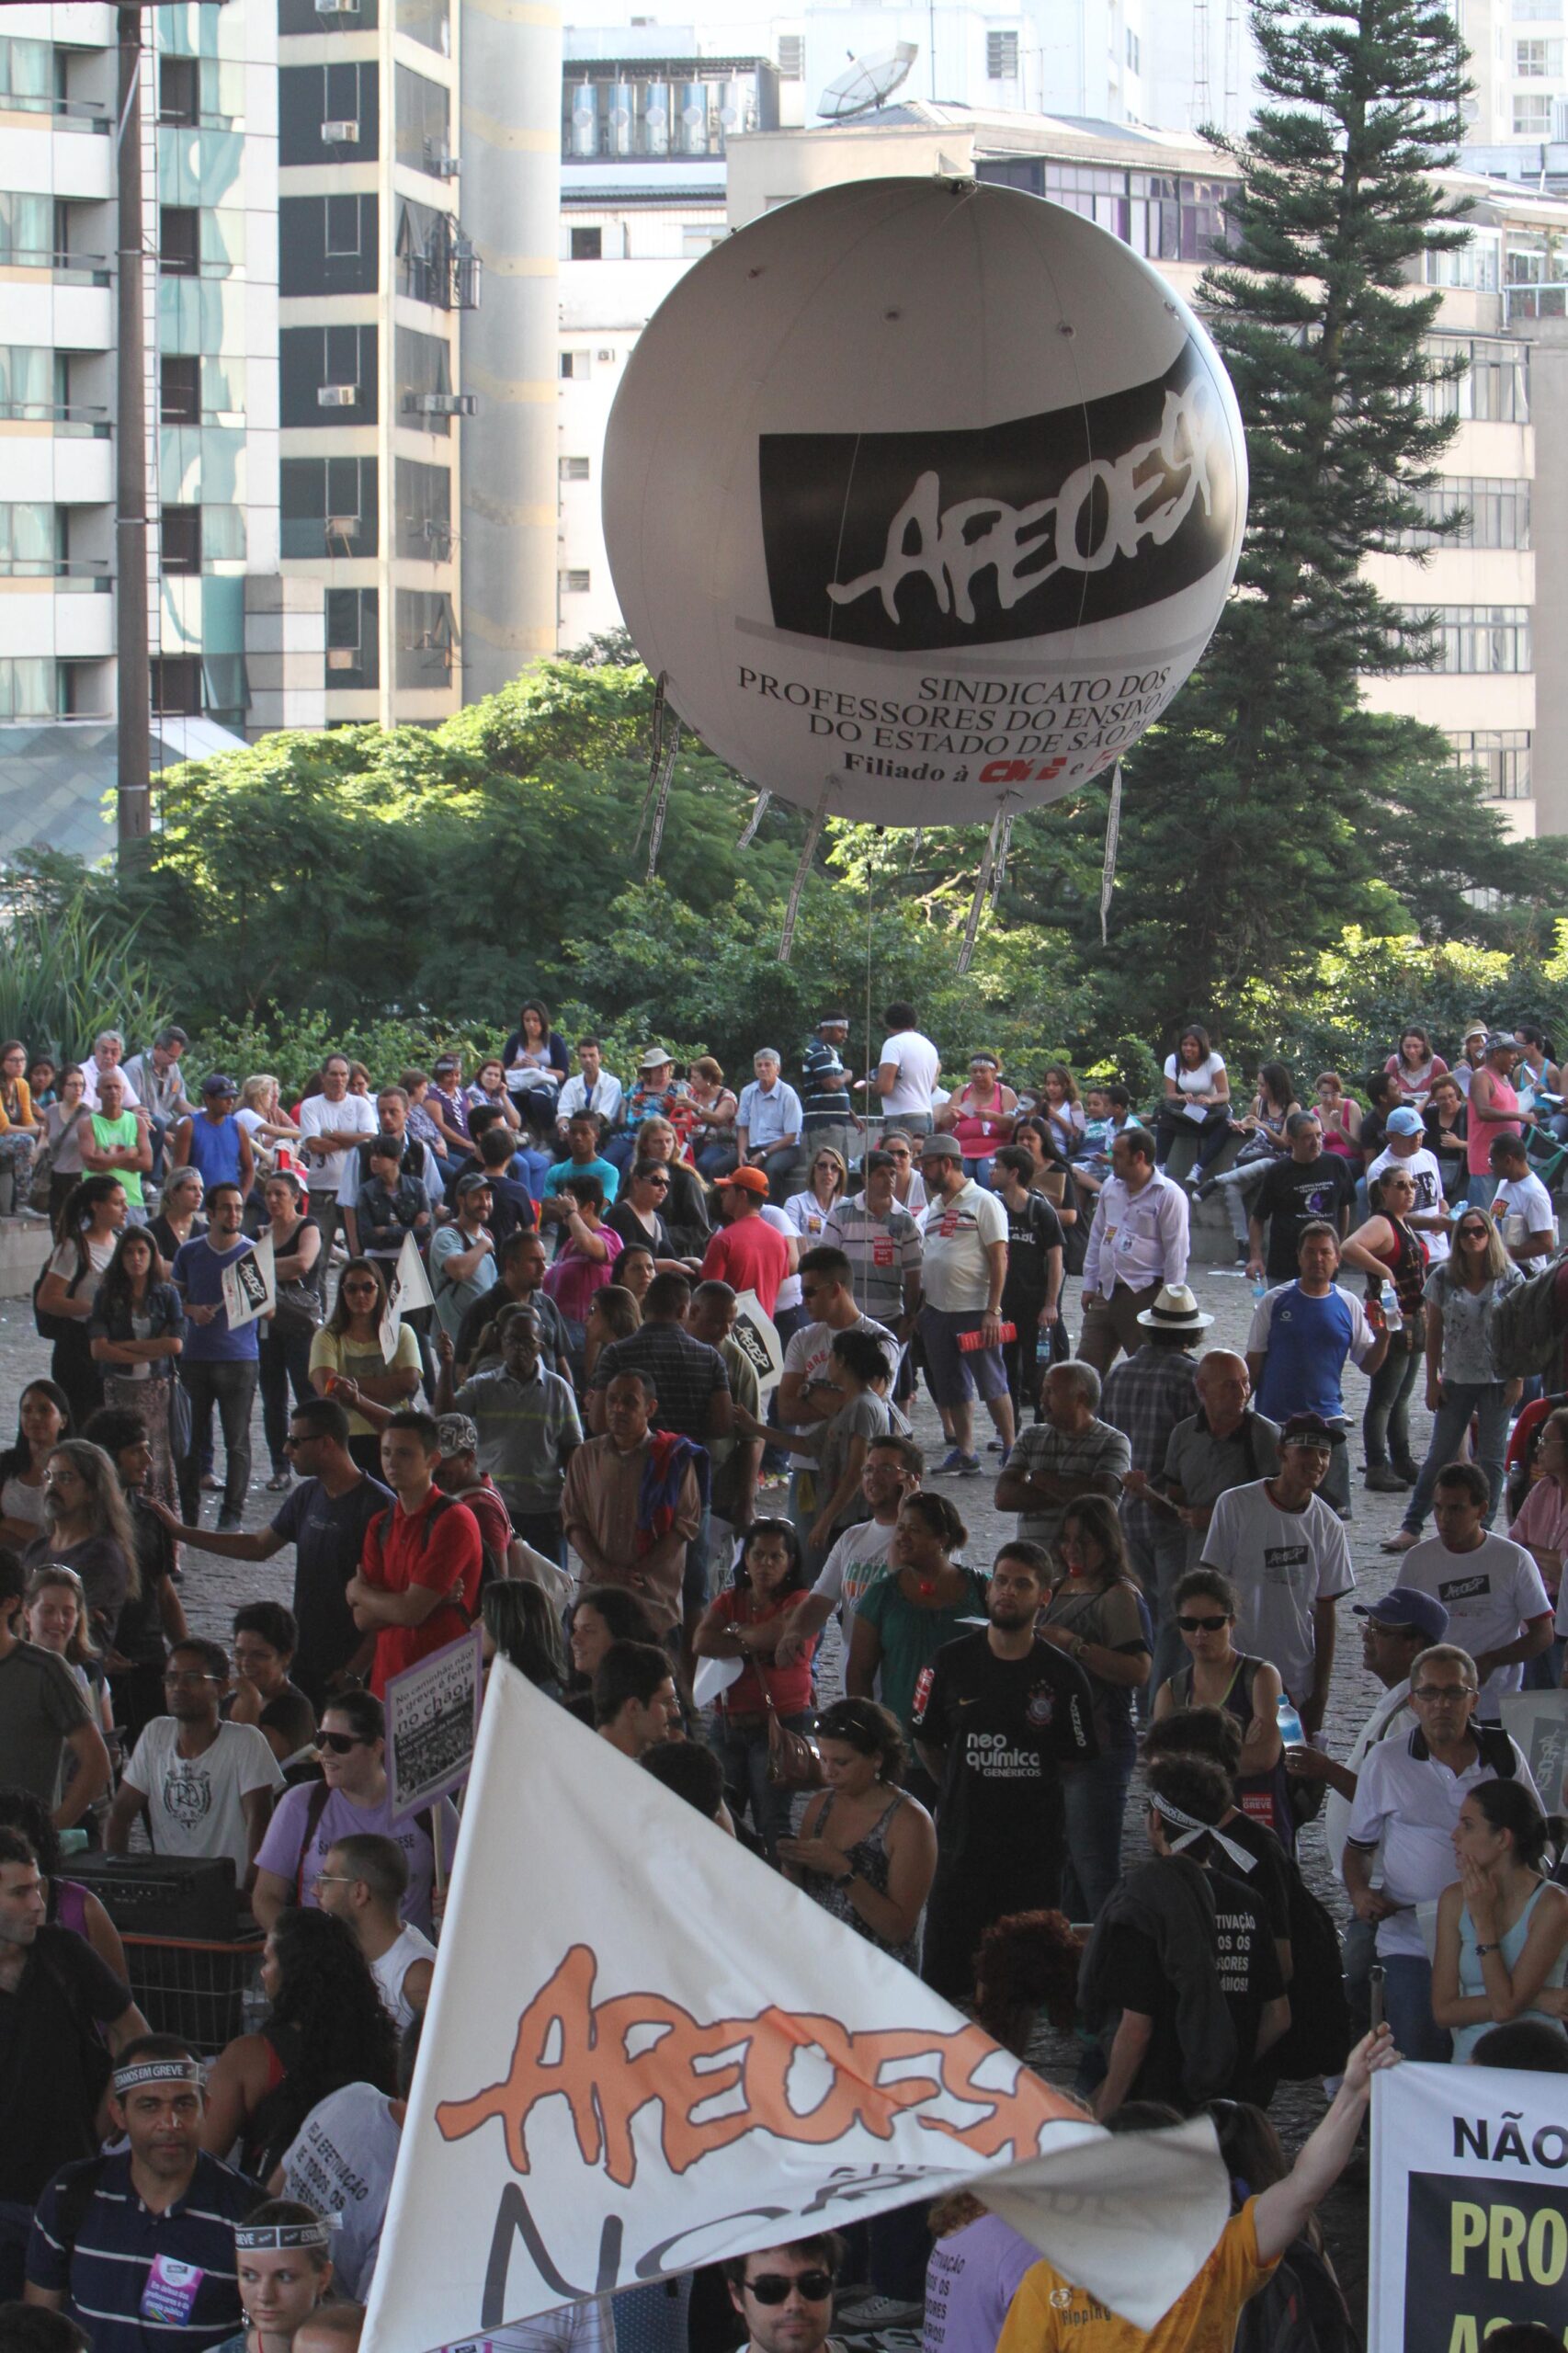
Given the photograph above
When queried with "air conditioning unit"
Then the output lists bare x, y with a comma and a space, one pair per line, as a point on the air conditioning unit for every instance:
439, 165
340, 134
337, 7
441, 403
342, 658
341, 527
608, 357
337, 396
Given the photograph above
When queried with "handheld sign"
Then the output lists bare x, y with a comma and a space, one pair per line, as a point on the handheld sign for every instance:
250, 1285
432, 1724
1538, 1721
408, 1287
755, 1334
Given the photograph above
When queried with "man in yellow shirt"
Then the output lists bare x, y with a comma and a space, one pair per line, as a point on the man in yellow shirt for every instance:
1048, 2314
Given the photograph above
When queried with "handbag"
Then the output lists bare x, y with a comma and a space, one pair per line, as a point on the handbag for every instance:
299, 1309
794, 1762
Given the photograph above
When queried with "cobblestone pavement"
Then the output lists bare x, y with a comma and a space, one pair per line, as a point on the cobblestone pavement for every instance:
212, 1590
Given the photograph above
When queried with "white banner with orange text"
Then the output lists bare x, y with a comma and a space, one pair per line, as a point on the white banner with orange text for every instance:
645, 2051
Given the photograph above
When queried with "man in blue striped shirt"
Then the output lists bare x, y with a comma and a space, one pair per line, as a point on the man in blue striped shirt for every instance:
139, 2247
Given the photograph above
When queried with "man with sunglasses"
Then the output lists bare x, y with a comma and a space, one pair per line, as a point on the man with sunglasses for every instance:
784, 2294
352, 1800
1408, 1796
207, 1786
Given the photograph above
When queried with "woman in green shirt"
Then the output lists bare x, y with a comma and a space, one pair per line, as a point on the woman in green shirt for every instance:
927, 1598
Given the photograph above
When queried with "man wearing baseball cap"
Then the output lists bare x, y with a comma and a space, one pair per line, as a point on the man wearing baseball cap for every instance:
1473, 1046
1286, 1554
1494, 1111
212, 1139
1408, 1151
747, 1253
1394, 1633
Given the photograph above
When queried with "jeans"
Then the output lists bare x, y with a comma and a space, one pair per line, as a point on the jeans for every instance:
1481, 1190
1407, 2006
1212, 1133
979, 1172
1094, 1797
1358, 1949
1460, 1400
716, 1160
1385, 1424
231, 1388
741, 1749
1237, 1185
283, 1362
1160, 1558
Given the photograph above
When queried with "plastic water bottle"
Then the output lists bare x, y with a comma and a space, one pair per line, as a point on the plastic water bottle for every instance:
1393, 1314
1292, 1731
1260, 1285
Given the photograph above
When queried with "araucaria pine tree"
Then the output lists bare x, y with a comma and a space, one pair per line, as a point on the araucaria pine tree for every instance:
1256, 815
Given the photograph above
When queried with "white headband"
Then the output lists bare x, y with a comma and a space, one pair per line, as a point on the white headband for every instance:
1193, 1830
156, 2071
283, 2238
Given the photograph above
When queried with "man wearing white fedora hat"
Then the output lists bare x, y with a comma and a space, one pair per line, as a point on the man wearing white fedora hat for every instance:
1148, 1393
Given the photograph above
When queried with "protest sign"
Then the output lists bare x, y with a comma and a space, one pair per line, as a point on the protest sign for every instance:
432, 1723
753, 1333
1469, 2206
408, 1287
645, 2051
1537, 1720
250, 1285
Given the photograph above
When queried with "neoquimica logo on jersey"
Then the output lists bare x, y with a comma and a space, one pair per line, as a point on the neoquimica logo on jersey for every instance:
917, 541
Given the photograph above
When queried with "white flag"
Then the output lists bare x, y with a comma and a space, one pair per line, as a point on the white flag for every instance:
407, 1286
645, 2051
755, 1334
250, 1285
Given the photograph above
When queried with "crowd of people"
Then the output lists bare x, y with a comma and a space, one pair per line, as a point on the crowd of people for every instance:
591, 1444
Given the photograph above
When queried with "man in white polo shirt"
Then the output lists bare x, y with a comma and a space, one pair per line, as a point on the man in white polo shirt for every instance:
1496, 1599
1408, 1795
1138, 1243
964, 1268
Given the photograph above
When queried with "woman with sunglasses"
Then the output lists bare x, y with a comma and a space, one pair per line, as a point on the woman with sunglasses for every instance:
348, 1361
353, 1795
689, 1226
1094, 1612
908, 1185
638, 1214
827, 1181
1393, 1255
1216, 1675
1462, 1296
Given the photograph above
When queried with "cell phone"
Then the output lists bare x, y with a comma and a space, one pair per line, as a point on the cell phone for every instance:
1377, 1990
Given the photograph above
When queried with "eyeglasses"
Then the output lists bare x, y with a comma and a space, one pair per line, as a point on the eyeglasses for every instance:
362, 1283
1200, 1625
1473, 1233
1441, 1693
340, 1742
773, 2287
178, 1676
659, 1184
306, 1438
336, 1878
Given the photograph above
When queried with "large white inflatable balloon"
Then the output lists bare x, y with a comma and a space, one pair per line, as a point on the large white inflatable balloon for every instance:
925, 493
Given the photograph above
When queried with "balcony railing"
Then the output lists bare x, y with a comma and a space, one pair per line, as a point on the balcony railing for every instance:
70, 423
72, 574
1548, 301
65, 114
67, 268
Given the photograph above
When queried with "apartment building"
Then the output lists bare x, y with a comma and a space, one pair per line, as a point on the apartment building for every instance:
205, 135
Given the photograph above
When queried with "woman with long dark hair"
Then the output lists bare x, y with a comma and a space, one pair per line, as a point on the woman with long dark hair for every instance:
521, 1626
287, 1336
136, 1332
327, 2026
86, 1234
43, 1418
1094, 1614
348, 1362
536, 1064
1502, 1926
746, 1623
867, 1851
1197, 1102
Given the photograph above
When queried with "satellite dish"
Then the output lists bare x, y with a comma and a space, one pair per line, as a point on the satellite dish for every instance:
867, 83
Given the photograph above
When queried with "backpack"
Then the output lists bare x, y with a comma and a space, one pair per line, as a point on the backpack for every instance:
315, 1806
1300, 2308
490, 1567
1527, 1331
47, 1326
1320, 2032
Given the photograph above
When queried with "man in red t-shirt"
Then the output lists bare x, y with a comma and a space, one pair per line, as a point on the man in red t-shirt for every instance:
746, 1252
417, 1585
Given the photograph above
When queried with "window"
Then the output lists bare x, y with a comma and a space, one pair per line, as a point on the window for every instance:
353, 652
573, 469
179, 241
1532, 115
28, 381
575, 584
791, 57
1494, 385
176, 686
424, 366
424, 512
587, 245
180, 387
328, 506
1538, 60
313, 360
1503, 756
428, 22
328, 114
694, 243
424, 120
27, 689
1001, 57
327, 16
180, 532
179, 91
577, 365
427, 641
27, 229
1165, 218
1537, 11
27, 75
326, 244
1476, 263
1471, 640
31, 541
1499, 514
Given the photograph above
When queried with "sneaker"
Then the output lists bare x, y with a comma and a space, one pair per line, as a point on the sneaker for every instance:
951, 1463
230, 1523
1382, 1479
1244, 1252
969, 1466
1006, 1458
1408, 1474
280, 1481
1402, 1543
211, 1483
880, 2312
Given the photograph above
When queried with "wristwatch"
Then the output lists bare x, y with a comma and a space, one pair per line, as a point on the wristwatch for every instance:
1480, 1949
